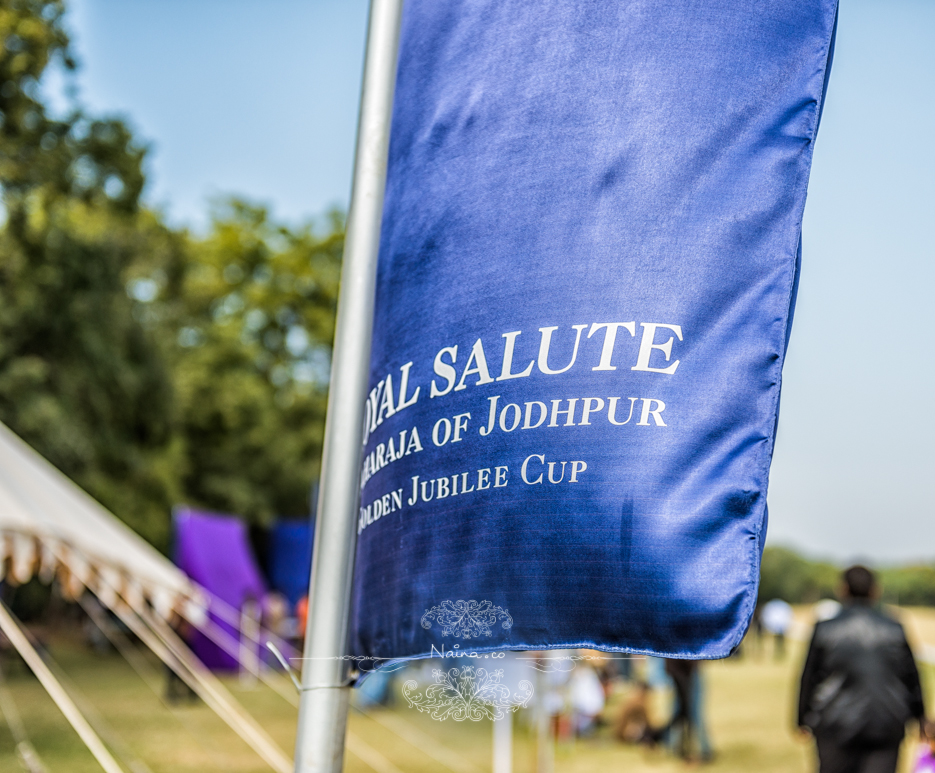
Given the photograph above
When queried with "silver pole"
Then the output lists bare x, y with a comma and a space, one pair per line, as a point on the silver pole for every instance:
545, 745
325, 696
503, 744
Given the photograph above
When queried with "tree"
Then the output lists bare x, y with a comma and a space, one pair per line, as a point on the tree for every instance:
247, 321
787, 575
784, 574
80, 379
151, 366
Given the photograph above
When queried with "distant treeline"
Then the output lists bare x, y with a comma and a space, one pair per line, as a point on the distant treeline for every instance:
789, 576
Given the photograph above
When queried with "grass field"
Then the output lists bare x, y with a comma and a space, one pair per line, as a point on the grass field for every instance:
749, 703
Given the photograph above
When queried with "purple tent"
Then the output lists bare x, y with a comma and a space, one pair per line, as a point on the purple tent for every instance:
214, 550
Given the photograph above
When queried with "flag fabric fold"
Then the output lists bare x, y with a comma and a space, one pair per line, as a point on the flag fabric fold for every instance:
587, 271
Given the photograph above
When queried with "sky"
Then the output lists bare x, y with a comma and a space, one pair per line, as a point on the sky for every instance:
255, 97
261, 98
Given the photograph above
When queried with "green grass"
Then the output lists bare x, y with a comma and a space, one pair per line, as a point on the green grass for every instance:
750, 705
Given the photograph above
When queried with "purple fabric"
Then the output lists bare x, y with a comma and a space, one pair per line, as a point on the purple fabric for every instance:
925, 763
214, 550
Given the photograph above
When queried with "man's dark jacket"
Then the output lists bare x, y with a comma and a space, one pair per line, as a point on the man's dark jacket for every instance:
860, 684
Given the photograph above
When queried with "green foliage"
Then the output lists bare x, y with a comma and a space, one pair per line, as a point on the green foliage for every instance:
96, 161
151, 366
909, 585
247, 320
80, 379
31, 151
787, 575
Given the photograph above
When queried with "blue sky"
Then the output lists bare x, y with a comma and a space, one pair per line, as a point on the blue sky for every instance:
260, 98
255, 97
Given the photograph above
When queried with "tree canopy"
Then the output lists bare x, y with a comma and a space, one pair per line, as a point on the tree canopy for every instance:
151, 365
787, 575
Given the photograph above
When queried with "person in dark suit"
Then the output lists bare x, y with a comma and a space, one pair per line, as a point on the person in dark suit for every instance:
860, 685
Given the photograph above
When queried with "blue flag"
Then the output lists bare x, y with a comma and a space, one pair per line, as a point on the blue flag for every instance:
587, 271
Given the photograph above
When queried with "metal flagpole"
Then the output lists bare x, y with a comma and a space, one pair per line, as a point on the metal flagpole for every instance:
503, 744
324, 702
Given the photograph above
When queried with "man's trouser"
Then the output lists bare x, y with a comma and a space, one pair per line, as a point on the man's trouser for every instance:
852, 758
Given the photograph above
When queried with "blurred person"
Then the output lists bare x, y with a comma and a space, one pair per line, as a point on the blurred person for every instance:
626, 668
375, 690
93, 634
753, 638
688, 728
632, 725
860, 684
556, 698
276, 614
678, 732
756, 629
925, 759
777, 620
609, 674
613, 669
177, 689
706, 752
251, 613
826, 609
587, 699
277, 624
301, 616
654, 672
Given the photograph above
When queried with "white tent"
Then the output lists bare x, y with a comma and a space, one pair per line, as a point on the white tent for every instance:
44, 516
51, 527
